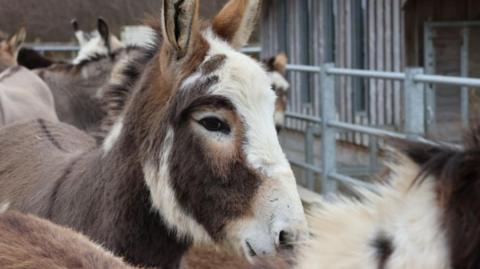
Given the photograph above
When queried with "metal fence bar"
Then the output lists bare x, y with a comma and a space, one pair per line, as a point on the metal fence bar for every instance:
303, 117
366, 73
310, 155
352, 181
47, 47
306, 166
447, 80
454, 24
413, 104
365, 130
251, 50
328, 112
303, 68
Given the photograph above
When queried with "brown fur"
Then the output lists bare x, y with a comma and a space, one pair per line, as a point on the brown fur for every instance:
230, 19
28, 242
208, 258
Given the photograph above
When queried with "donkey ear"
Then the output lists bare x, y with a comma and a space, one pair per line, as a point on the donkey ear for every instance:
178, 18
74, 24
17, 39
236, 21
104, 31
79, 34
280, 62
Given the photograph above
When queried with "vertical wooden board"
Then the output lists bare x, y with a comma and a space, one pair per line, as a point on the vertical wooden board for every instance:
340, 58
372, 36
349, 64
398, 47
379, 14
319, 48
388, 62
293, 59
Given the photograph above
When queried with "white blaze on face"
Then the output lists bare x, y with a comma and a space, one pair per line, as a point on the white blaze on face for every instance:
277, 206
165, 201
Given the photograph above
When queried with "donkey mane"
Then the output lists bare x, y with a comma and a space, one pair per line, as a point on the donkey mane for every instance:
123, 81
457, 172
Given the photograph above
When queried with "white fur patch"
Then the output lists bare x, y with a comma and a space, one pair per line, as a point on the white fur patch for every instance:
164, 199
94, 46
113, 135
345, 229
279, 118
247, 85
279, 81
4, 207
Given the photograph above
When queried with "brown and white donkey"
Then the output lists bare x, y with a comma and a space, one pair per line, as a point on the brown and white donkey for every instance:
277, 67
193, 158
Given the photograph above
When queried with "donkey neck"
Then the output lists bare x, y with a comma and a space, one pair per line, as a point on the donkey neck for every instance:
131, 227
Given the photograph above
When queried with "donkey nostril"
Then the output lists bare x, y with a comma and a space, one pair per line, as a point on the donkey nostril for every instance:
285, 240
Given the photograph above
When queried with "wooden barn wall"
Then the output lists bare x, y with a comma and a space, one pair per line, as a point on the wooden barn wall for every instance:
304, 28
447, 44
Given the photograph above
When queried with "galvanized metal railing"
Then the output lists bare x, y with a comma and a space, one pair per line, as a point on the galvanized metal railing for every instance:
412, 110
69, 47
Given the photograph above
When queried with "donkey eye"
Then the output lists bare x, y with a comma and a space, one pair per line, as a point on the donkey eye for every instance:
214, 124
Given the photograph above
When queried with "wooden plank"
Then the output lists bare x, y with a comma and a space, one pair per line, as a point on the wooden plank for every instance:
372, 61
340, 36
398, 45
388, 62
319, 48
379, 14
349, 64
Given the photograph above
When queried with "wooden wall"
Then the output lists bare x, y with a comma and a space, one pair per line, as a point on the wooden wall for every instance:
307, 42
447, 45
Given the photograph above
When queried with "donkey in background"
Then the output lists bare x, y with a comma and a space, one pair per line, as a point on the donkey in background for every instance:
426, 216
78, 88
98, 42
9, 48
23, 95
28, 242
192, 159
276, 67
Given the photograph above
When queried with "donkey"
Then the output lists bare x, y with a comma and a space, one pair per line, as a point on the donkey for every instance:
99, 41
28, 242
276, 67
427, 216
193, 158
78, 88
24, 96
9, 49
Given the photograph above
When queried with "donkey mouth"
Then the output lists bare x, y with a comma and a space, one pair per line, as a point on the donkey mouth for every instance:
251, 252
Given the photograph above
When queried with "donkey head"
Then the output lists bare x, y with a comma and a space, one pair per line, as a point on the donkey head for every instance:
9, 49
276, 67
202, 120
97, 42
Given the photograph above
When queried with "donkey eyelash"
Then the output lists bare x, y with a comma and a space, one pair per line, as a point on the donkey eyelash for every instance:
214, 124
